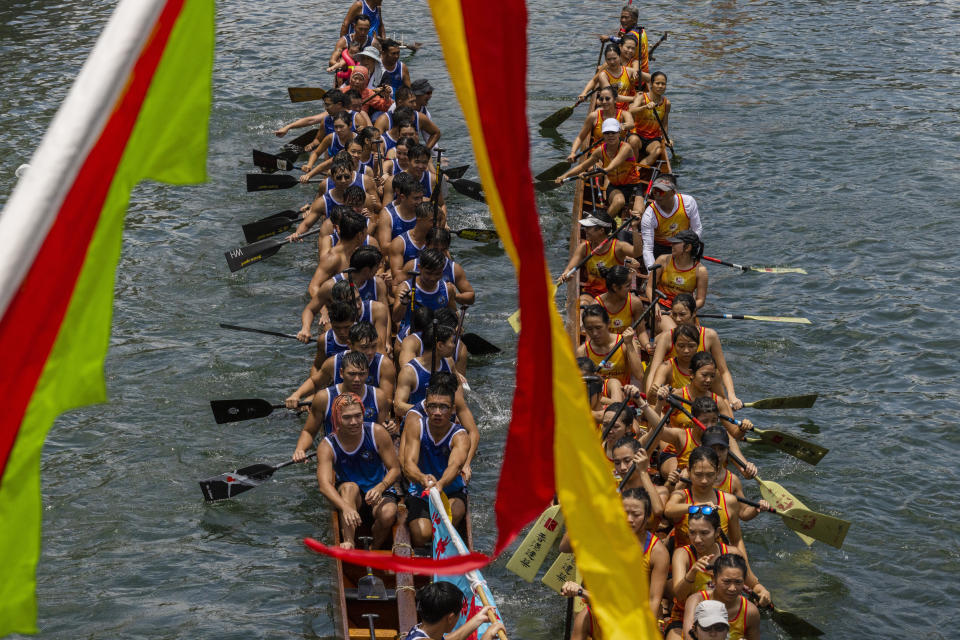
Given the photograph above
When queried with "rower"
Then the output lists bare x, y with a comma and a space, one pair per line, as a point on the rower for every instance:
331, 145
397, 159
617, 160
682, 271
370, 162
710, 621
439, 238
627, 452
423, 90
620, 304
348, 160
693, 566
426, 290
414, 376
407, 246
363, 265
395, 72
349, 45
613, 73
400, 215
591, 132
360, 458
730, 572
629, 18
438, 607
371, 11
670, 213
624, 427
717, 438
391, 122
334, 102
648, 136
625, 363
376, 406
352, 232
419, 158
628, 58
355, 198
372, 311
342, 315
432, 456
613, 251
381, 371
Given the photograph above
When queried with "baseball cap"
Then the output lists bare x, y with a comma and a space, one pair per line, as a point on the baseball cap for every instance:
590, 221
611, 124
371, 52
421, 87
709, 613
685, 236
716, 435
664, 184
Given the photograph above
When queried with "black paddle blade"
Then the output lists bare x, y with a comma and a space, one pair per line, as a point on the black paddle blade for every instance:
553, 172
226, 486
456, 172
298, 143
469, 188
556, 118
256, 231
259, 472
271, 162
794, 624
267, 182
245, 256
548, 185
225, 411
305, 94
479, 346
478, 235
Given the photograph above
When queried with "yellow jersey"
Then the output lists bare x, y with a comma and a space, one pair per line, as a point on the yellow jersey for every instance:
621, 318
674, 280
645, 123
595, 283
738, 622
617, 367
669, 226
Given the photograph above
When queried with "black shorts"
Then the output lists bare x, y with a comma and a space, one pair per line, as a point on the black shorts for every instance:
366, 511
627, 190
417, 507
646, 142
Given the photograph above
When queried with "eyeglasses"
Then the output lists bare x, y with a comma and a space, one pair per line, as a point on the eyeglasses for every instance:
437, 406
701, 508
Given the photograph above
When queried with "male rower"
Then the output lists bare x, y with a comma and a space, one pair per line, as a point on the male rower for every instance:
372, 311
381, 371
390, 123
427, 289
352, 231
395, 72
433, 455
334, 102
376, 405
364, 263
407, 246
352, 43
415, 375
670, 213
438, 608
342, 316
356, 469
371, 10
419, 159
629, 18
439, 238
400, 215
423, 90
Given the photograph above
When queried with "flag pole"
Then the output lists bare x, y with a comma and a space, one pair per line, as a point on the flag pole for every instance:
476, 582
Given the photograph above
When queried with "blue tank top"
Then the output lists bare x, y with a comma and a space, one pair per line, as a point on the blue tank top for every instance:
416, 633
434, 457
419, 391
416, 114
331, 346
375, 20
328, 123
395, 78
436, 299
367, 291
388, 142
421, 410
396, 166
335, 239
449, 275
362, 465
369, 164
398, 224
410, 249
335, 147
329, 202
366, 311
373, 379
329, 184
371, 413
426, 181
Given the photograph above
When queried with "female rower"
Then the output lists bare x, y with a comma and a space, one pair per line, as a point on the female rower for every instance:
624, 363
370, 160
682, 271
397, 160
601, 392
648, 136
332, 144
603, 251
682, 312
693, 566
703, 372
730, 572
592, 130
620, 304
624, 427
613, 73
618, 162
628, 56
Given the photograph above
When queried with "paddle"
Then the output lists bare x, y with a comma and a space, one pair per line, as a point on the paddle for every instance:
265, 332
479, 346
228, 485
609, 427
269, 182
305, 94
298, 143
731, 316
818, 526
456, 172
245, 256
788, 621
275, 162
788, 443
225, 411
786, 402
469, 188
558, 117
477, 235
650, 440
561, 167
261, 229
529, 556
761, 269
370, 587
636, 323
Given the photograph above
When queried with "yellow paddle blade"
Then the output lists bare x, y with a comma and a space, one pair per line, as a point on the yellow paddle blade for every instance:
779, 319
529, 556
514, 318
446, 504
781, 500
563, 569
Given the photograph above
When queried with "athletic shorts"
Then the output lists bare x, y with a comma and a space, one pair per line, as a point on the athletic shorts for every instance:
366, 511
627, 190
417, 507
646, 142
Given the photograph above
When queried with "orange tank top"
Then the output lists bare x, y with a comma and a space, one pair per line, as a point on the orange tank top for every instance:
598, 124
681, 531
645, 123
679, 419
595, 284
626, 173
670, 225
622, 82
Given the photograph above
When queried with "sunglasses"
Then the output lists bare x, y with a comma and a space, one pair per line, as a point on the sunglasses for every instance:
701, 508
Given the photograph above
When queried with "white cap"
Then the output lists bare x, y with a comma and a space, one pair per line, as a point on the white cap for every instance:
371, 52
590, 221
610, 124
709, 613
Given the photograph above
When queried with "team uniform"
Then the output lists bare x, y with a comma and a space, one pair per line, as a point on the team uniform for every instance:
595, 283
597, 131
701, 346
373, 379
376, 20
622, 82
624, 178
738, 622
332, 346
681, 531
411, 250
658, 226
434, 457
674, 281
419, 391
398, 224
361, 466
702, 581
449, 274
395, 79
371, 411
645, 124
357, 181
367, 291
678, 419
621, 318
436, 299
678, 377
617, 367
